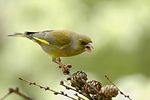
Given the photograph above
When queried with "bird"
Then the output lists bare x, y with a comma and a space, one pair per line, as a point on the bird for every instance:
60, 43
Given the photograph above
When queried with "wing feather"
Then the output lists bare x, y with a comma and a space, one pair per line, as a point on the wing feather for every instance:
55, 38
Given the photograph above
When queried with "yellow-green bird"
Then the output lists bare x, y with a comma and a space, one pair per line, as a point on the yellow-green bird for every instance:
59, 43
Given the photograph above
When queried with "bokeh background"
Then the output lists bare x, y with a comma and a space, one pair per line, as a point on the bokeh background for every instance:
120, 31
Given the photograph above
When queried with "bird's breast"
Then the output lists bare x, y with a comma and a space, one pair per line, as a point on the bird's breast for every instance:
56, 52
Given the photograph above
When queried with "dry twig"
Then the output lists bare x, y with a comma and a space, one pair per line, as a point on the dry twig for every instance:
70, 88
47, 88
118, 88
16, 91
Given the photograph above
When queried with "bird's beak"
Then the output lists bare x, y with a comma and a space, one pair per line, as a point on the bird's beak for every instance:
88, 47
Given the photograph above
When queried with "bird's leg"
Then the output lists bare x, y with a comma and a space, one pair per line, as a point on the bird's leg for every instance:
59, 60
69, 66
66, 68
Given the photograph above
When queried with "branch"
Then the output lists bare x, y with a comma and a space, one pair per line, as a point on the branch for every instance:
47, 88
69, 88
16, 91
127, 96
79, 97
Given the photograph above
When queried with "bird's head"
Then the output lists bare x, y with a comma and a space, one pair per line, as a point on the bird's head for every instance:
84, 43
87, 44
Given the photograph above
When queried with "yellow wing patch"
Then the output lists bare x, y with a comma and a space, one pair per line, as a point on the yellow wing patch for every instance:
43, 41
20, 35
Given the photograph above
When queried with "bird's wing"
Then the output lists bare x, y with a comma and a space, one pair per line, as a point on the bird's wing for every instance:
55, 38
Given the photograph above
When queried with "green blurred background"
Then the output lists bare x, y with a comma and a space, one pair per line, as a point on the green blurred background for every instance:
120, 31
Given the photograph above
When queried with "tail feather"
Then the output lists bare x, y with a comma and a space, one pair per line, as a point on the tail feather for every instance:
32, 36
18, 34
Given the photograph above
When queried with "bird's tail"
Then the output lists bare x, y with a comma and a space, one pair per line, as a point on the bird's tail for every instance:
18, 35
31, 36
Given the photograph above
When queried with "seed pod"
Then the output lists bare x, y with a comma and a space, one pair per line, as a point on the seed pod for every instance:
96, 84
109, 91
76, 79
100, 97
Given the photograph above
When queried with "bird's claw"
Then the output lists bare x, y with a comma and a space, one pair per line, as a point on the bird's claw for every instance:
66, 69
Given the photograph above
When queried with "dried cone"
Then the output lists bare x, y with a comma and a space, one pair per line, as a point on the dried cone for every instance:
100, 97
96, 84
109, 91
76, 79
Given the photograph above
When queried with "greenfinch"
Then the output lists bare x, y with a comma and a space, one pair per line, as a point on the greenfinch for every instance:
60, 43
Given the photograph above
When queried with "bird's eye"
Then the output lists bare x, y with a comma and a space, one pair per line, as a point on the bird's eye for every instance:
83, 43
